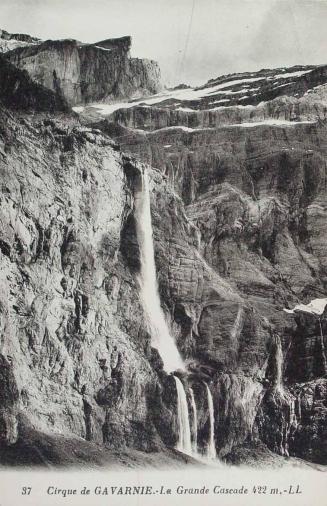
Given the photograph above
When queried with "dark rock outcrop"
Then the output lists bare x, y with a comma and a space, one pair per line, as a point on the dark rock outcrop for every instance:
9, 399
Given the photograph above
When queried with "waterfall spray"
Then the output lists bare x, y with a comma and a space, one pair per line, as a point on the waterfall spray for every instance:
161, 337
211, 448
184, 440
194, 424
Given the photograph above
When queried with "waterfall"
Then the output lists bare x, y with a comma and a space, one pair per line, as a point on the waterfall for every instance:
184, 432
161, 338
291, 424
235, 332
211, 448
195, 423
279, 365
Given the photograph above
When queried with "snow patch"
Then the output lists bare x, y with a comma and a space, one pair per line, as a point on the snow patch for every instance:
179, 127
223, 100
316, 307
273, 122
185, 109
283, 85
78, 109
103, 48
292, 74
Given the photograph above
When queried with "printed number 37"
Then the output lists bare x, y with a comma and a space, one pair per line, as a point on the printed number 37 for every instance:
26, 490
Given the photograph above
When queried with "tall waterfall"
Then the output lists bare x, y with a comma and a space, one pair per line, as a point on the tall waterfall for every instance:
211, 448
161, 337
194, 424
184, 431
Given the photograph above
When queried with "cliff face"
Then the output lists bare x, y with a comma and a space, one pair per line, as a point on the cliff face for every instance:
76, 353
83, 73
252, 179
74, 347
20, 92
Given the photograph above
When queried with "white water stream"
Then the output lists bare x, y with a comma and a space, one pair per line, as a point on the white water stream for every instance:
161, 337
211, 448
279, 365
194, 424
184, 440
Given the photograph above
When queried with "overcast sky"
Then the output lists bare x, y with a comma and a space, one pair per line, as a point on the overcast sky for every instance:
193, 40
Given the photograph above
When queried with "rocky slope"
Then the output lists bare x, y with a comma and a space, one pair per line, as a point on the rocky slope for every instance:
238, 203
83, 73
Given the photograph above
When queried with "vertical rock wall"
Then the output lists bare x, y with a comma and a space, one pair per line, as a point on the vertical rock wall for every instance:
83, 73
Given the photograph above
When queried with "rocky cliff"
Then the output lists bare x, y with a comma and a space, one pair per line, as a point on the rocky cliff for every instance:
252, 179
238, 204
76, 355
20, 92
83, 73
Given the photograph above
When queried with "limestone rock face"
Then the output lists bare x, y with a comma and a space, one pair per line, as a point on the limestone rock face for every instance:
73, 343
83, 73
238, 205
19, 92
293, 422
9, 398
72, 326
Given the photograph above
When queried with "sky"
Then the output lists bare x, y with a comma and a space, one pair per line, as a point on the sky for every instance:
192, 40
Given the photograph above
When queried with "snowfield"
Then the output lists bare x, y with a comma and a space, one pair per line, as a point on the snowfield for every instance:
197, 94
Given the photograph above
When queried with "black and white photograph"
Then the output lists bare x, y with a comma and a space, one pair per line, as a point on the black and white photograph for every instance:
163, 251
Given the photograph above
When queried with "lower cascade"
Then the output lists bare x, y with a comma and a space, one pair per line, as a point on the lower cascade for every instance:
211, 448
194, 424
184, 431
161, 337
